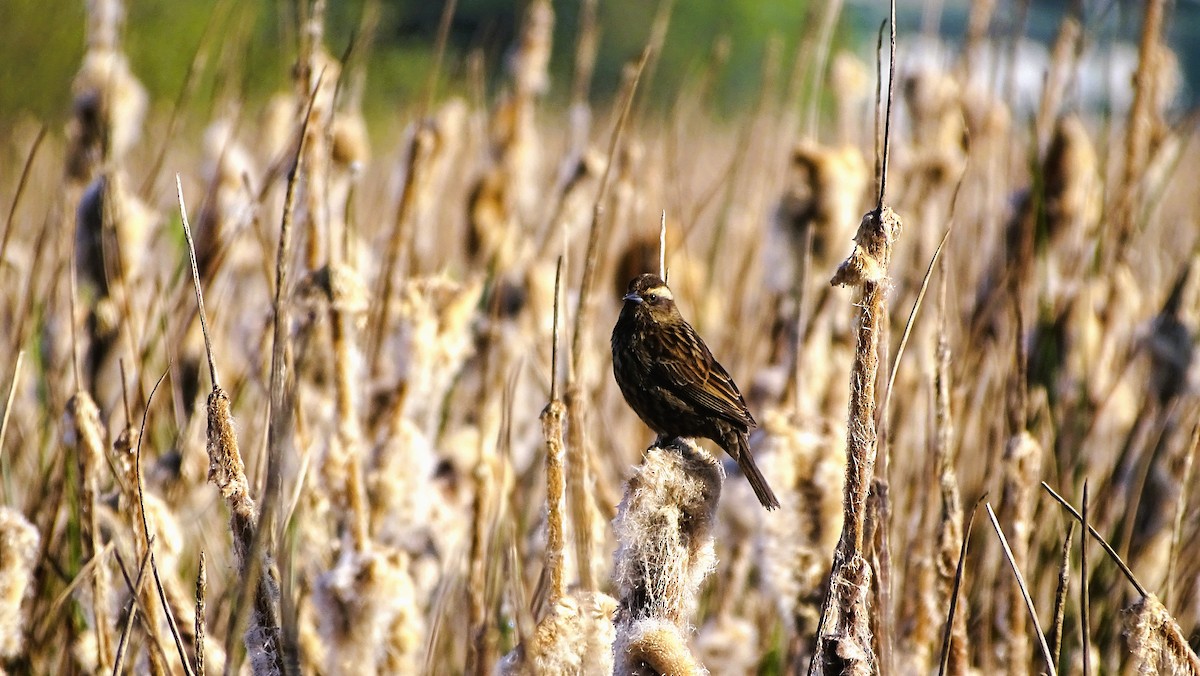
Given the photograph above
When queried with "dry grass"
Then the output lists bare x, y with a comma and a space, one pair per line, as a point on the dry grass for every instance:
360, 480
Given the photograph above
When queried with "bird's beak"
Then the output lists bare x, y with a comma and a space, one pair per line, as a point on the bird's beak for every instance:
633, 297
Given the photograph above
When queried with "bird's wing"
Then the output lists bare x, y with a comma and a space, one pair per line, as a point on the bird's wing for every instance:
688, 369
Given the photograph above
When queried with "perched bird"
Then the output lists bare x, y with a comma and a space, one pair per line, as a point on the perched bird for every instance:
670, 379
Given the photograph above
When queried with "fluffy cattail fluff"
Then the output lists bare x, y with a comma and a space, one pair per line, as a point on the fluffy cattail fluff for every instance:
665, 550
1157, 643
576, 637
728, 643
435, 338
797, 550
19, 541
368, 615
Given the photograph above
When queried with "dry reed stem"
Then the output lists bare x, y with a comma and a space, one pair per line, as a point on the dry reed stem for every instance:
85, 437
1064, 60
1158, 645
187, 88
583, 511
1012, 564
126, 449
552, 432
586, 45
484, 488
8, 405
950, 526
844, 637
1060, 595
135, 602
21, 185
955, 595
1181, 503
201, 592
19, 543
254, 531
399, 239
1108, 549
227, 472
1085, 599
149, 541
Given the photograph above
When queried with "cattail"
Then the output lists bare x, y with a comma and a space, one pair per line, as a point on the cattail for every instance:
1022, 469
823, 196
366, 609
728, 645
109, 216
1071, 201
231, 174
19, 541
797, 550
852, 93
85, 435
845, 640
345, 297
575, 637
1157, 643
227, 472
664, 551
109, 102
532, 57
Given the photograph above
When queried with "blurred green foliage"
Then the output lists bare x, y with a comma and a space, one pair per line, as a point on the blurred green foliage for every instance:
251, 46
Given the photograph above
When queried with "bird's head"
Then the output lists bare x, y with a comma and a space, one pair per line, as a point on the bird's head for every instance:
649, 296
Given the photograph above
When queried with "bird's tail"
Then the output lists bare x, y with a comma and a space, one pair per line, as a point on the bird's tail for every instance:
757, 481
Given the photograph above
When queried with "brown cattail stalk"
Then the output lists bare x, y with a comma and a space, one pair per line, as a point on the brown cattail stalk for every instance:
844, 637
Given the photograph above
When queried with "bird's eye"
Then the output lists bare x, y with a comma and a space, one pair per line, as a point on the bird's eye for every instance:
652, 297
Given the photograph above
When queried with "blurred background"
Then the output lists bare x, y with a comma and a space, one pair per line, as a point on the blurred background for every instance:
42, 41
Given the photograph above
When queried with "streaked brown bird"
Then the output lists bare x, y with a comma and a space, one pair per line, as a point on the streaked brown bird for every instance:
671, 380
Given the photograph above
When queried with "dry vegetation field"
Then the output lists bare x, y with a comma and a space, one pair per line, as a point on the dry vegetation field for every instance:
364, 453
